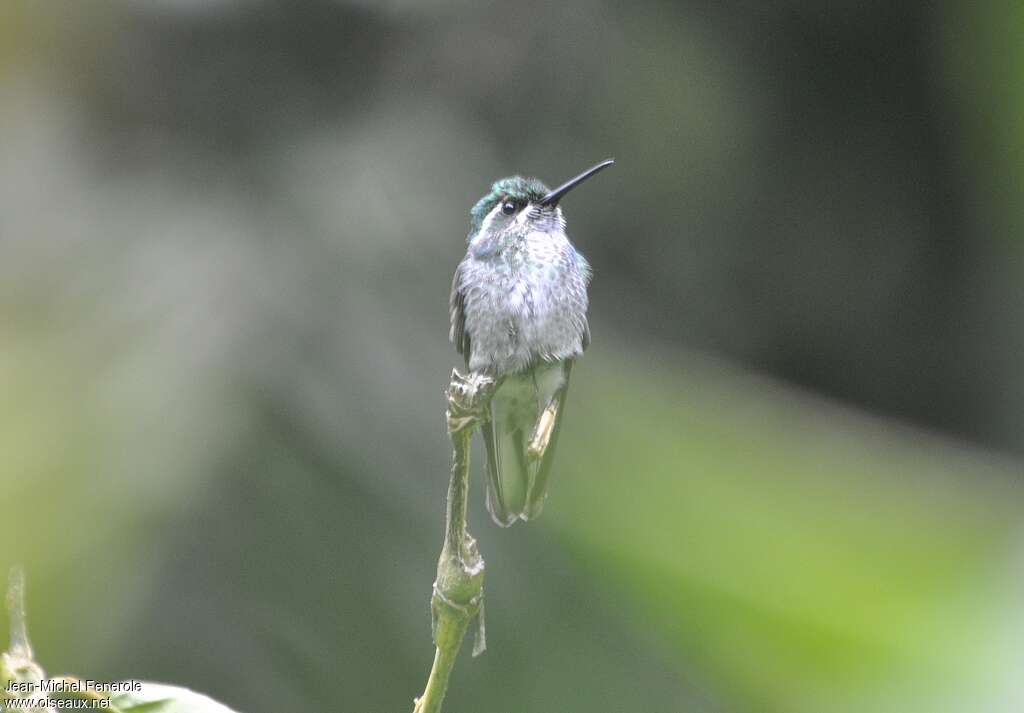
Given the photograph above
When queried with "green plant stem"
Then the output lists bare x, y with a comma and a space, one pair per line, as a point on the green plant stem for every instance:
458, 589
449, 640
455, 534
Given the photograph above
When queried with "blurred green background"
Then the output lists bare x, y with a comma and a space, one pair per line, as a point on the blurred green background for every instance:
791, 475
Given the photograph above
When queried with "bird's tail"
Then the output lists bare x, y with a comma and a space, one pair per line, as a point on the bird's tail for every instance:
520, 456
540, 450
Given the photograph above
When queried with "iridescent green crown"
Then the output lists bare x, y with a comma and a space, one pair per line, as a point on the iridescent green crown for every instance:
515, 188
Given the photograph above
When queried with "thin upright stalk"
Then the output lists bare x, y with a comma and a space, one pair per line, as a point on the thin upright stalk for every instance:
458, 492
458, 589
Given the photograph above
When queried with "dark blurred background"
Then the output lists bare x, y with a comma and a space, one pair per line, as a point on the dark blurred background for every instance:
790, 478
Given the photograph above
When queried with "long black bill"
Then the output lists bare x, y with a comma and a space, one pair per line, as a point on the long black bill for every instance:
552, 198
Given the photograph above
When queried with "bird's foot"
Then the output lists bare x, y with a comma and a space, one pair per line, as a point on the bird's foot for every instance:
468, 399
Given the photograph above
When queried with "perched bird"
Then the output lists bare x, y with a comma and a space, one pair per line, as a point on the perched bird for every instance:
518, 311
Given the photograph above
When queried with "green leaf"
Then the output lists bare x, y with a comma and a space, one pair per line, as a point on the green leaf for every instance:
161, 698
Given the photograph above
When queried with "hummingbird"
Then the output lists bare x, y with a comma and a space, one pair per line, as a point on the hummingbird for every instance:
518, 312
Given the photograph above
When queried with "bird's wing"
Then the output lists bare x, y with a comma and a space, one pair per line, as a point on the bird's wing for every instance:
497, 504
508, 471
457, 316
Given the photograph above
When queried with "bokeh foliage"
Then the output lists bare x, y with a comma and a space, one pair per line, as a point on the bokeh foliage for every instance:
790, 477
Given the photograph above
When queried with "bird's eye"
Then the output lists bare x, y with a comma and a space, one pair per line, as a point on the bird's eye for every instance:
508, 207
